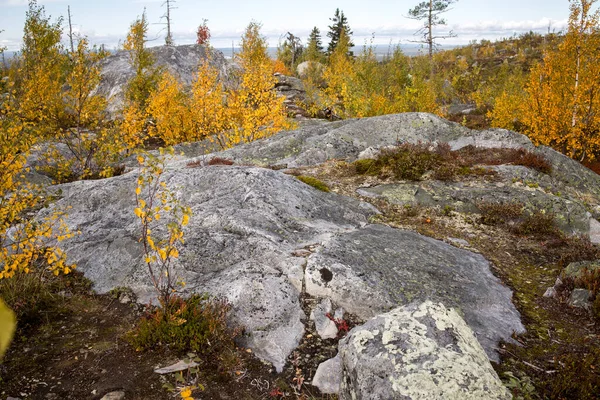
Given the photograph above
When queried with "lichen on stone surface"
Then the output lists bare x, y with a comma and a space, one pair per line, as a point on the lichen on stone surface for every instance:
430, 351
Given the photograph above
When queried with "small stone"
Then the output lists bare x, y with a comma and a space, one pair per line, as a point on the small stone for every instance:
178, 366
325, 326
117, 395
580, 298
328, 376
558, 282
550, 292
339, 313
124, 298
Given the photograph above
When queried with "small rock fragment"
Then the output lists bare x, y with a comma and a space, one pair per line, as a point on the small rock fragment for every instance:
325, 326
178, 366
550, 292
580, 298
116, 395
328, 376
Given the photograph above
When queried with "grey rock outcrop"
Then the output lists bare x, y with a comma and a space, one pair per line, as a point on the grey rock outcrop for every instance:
316, 144
570, 216
249, 224
420, 351
246, 223
561, 191
181, 61
371, 270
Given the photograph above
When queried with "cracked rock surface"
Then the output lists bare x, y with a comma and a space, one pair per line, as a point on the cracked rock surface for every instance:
250, 228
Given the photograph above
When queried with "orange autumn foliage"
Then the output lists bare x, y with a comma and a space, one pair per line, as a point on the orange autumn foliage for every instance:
562, 109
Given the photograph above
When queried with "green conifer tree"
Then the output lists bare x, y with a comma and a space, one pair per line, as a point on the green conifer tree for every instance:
340, 23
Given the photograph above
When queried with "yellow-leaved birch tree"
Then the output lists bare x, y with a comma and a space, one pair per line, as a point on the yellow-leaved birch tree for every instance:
562, 108
256, 110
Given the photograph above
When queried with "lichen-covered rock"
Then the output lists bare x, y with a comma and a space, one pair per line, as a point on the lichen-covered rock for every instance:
420, 351
580, 298
576, 270
376, 268
570, 215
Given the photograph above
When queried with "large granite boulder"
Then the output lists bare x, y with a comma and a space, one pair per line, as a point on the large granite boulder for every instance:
181, 61
420, 351
246, 224
371, 270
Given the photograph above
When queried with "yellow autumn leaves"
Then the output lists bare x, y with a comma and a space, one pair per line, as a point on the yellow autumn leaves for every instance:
362, 86
558, 104
226, 116
562, 107
160, 239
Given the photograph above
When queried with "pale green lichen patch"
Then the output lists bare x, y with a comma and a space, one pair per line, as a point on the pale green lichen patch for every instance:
431, 354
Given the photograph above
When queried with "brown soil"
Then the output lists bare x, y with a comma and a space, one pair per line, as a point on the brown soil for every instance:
77, 350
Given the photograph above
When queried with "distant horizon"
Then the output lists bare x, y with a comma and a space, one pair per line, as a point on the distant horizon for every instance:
409, 49
107, 22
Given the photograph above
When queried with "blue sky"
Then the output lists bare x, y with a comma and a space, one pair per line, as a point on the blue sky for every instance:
107, 21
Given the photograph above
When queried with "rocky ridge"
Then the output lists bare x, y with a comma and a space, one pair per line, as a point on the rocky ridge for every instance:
262, 238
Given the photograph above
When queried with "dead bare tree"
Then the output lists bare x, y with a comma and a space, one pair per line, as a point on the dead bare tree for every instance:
167, 16
430, 12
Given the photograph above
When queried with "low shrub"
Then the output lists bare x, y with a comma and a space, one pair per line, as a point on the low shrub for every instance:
220, 161
196, 324
497, 213
471, 155
538, 224
33, 296
408, 161
314, 182
366, 166
194, 164
532, 160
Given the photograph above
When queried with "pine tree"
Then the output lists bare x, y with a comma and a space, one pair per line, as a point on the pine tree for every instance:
314, 48
430, 12
340, 23
563, 95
